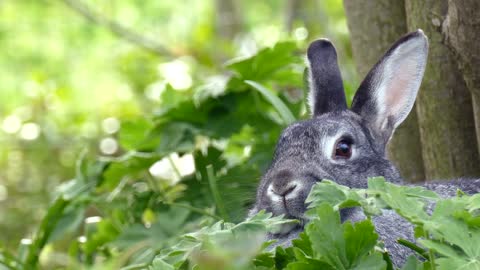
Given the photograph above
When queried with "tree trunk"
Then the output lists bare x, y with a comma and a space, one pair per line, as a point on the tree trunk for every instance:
374, 25
228, 19
444, 104
461, 29
308, 13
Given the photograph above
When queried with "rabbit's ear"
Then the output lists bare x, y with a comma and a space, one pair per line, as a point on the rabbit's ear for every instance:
386, 96
326, 86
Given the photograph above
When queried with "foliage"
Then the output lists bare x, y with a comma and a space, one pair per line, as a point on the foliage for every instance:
446, 238
180, 153
72, 86
134, 204
170, 143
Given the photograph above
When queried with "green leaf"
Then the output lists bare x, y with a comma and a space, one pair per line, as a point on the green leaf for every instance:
168, 224
343, 246
135, 135
283, 257
326, 191
130, 164
456, 233
266, 62
441, 248
276, 102
457, 264
361, 240
412, 264
54, 214
374, 261
104, 233
407, 201
311, 264
303, 243
68, 223
159, 264
326, 236
265, 260
474, 202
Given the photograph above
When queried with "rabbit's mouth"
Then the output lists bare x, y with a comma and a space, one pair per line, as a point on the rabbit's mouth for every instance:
289, 228
291, 210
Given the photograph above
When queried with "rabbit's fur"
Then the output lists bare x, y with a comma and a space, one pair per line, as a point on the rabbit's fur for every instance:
307, 150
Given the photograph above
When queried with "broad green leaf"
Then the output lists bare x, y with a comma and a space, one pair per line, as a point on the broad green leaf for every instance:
69, 222
265, 260
409, 202
47, 227
266, 62
343, 246
474, 203
326, 191
412, 264
311, 264
361, 239
276, 102
104, 234
457, 233
135, 135
457, 264
303, 243
283, 257
159, 264
372, 262
130, 164
442, 248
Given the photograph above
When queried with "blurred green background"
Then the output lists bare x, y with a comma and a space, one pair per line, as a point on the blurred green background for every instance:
109, 79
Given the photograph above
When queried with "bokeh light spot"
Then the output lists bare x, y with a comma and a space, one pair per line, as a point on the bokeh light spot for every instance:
108, 146
110, 125
11, 124
30, 131
177, 74
93, 219
300, 33
3, 193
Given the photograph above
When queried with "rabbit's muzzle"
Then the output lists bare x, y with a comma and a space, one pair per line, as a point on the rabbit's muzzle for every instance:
285, 192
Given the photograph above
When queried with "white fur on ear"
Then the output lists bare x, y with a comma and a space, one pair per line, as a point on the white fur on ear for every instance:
397, 80
311, 87
326, 93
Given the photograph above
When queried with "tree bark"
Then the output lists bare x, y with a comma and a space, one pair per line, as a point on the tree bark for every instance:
228, 19
444, 104
306, 11
374, 26
461, 29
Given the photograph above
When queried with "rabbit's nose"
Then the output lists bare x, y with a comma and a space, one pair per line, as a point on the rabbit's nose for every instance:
283, 190
283, 183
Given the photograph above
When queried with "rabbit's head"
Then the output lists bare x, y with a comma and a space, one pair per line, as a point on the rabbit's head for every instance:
341, 144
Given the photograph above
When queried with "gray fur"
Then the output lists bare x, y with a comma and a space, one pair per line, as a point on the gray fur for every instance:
303, 155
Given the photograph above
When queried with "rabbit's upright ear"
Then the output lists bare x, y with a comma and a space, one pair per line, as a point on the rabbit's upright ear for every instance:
386, 96
326, 86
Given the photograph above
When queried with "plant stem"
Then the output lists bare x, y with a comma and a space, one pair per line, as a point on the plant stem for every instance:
47, 226
431, 255
193, 209
175, 169
216, 195
413, 247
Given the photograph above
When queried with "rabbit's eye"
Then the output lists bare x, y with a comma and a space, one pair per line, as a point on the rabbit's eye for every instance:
343, 149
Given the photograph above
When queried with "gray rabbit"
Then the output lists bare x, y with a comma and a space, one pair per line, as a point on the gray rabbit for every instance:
349, 145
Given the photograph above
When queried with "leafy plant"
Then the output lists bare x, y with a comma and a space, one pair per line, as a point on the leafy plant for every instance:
448, 234
143, 207
124, 207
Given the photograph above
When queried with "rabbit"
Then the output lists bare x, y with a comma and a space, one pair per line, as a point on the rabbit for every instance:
349, 145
